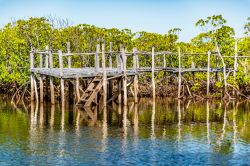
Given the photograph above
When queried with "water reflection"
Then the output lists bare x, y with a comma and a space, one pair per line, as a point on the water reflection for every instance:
151, 128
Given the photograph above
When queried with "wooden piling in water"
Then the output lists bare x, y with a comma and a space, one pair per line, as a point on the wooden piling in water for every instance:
153, 71
32, 92
61, 79
77, 90
124, 78
70, 92
36, 91
208, 72
179, 72
41, 79
136, 76
51, 81
46, 77
235, 61
104, 79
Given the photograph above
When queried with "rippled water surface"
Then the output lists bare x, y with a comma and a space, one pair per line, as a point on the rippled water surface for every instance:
166, 132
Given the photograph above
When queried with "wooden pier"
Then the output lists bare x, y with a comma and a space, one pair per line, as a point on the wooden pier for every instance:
48, 65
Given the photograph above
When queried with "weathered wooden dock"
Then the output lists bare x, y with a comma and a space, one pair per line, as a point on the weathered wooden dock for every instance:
48, 65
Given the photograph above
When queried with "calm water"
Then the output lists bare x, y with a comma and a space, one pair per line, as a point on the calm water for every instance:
166, 132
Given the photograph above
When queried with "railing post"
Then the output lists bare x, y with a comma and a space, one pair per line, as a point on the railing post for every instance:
69, 57
60, 62
110, 54
97, 63
208, 72
47, 57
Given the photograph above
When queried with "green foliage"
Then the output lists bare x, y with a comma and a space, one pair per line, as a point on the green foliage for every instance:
17, 39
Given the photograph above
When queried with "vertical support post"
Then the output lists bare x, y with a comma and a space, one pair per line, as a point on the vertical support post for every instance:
41, 87
124, 58
52, 89
136, 76
235, 59
164, 66
164, 61
62, 92
77, 90
46, 66
41, 78
97, 63
60, 62
61, 79
104, 81
153, 71
69, 57
47, 57
208, 72
71, 90
32, 93
179, 72
110, 54
36, 92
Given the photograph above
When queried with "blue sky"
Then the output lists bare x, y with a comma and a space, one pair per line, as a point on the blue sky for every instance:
147, 15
